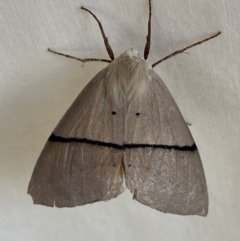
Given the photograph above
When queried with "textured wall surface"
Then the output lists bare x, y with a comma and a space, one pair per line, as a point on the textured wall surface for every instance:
37, 87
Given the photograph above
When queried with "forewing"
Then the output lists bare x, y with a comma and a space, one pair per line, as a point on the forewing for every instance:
77, 165
162, 165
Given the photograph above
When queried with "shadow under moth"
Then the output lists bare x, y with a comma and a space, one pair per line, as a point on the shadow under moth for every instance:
124, 130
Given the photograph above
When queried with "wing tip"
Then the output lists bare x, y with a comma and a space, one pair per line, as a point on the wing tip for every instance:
192, 212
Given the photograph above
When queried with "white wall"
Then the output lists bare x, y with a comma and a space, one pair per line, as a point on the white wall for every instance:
37, 87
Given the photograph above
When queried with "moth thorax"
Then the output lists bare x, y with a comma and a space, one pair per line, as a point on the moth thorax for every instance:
127, 81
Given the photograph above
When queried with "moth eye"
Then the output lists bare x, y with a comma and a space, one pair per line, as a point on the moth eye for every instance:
114, 112
137, 114
114, 165
129, 165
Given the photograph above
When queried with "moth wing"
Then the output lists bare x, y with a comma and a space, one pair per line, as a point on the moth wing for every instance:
91, 115
168, 175
73, 168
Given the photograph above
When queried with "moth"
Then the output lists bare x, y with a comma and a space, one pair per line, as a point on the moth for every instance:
124, 130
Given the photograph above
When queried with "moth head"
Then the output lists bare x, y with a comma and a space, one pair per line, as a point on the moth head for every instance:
132, 54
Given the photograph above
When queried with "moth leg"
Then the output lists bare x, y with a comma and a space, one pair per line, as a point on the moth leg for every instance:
107, 45
148, 43
79, 59
184, 49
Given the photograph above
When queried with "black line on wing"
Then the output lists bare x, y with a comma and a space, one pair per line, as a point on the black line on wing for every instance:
54, 138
